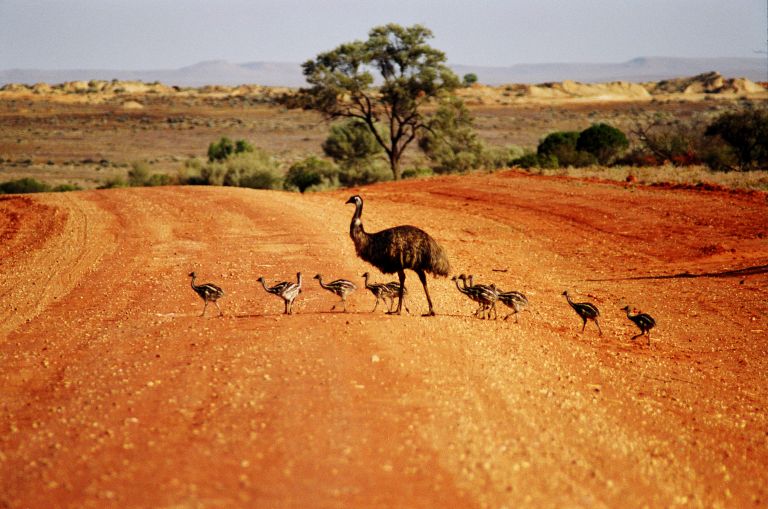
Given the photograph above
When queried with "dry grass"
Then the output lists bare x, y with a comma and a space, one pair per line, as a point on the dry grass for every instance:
668, 174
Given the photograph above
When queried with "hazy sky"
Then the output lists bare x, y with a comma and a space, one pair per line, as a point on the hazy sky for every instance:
152, 34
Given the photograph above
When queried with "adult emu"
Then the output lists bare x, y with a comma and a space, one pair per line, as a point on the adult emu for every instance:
395, 249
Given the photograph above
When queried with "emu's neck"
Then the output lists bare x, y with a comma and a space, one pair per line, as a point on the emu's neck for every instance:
264, 284
356, 231
366, 282
193, 283
462, 290
320, 280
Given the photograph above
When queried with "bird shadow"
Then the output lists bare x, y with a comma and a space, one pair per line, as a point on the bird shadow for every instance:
747, 271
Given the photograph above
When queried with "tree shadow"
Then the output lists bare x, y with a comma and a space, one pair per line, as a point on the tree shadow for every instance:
748, 271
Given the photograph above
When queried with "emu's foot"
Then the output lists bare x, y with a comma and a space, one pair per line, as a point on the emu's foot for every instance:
431, 313
395, 312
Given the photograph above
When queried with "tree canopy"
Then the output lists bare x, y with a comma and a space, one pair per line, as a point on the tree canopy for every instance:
384, 80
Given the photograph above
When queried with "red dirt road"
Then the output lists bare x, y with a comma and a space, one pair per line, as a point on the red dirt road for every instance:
115, 393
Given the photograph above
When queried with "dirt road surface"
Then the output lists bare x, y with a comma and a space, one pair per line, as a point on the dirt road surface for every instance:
115, 393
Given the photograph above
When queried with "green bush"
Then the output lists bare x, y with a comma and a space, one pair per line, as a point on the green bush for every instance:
417, 172
113, 183
603, 141
63, 188
469, 79
562, 145
220, 150
24, 186
225, 148
746, 132
138, 174
451, 142
534, 160
247, 169
353, 147
311, 172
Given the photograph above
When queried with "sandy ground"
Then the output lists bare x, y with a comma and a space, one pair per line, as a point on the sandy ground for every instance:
115, 393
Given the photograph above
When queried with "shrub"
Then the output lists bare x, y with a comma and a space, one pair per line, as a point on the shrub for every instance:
24, 186
562, 145
362, 174
534, 160
113, 182
138, 174
247, 169
469, 79
63, 188
602, 141
310, 172
220, 150
746, 132
667, 141
451, 142
417, 172
225, 148
159, 179
353, 147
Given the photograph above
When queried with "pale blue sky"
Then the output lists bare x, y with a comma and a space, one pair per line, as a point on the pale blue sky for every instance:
152, 34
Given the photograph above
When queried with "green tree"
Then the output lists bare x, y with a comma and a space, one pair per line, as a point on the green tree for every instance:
469, 79
355, 149
310, 172
351, 143
450, 142
603, 141
747, 133
411, 74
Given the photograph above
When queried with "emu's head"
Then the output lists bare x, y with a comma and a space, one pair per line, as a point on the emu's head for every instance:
317, 276
565, 293
192, 275
356, 199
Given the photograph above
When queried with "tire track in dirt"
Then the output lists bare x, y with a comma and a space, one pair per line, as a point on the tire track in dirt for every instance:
47, 253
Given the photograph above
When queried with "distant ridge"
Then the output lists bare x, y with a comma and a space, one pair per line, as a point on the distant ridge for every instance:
288, 74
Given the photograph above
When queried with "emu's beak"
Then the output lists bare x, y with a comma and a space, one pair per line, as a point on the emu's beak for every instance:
351, 200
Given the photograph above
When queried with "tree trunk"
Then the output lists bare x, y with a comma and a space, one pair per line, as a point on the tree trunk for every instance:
394, 163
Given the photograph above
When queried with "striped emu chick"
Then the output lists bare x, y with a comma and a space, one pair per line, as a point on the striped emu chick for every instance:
484, 296
340, 287
513, 300
489, 291
384, 291
395, 249
586, 311
644, 322
209, 292
286, 290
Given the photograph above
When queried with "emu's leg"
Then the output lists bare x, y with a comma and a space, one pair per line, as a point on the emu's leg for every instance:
205, 306
401, 275
598, 327
423, 279
376, 305
583, 325
649, 337
287, 311
221, 313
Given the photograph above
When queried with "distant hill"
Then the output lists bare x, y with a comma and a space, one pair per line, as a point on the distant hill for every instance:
637, 70
219, 72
